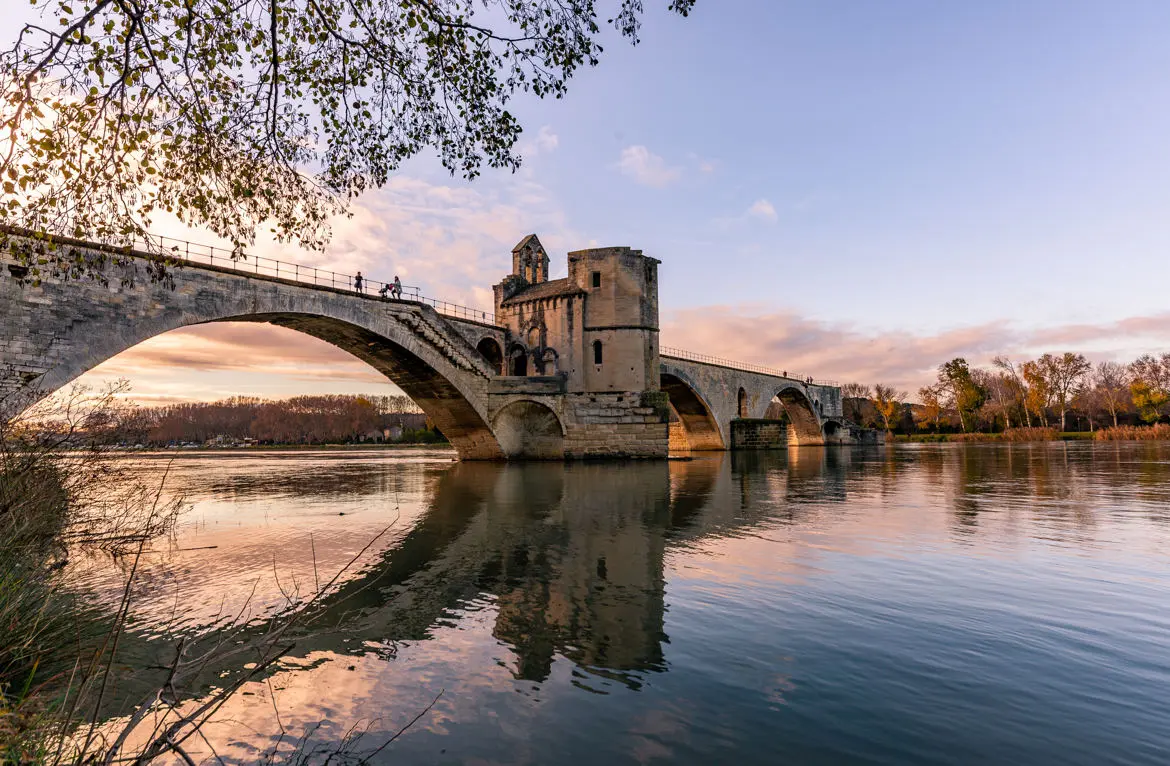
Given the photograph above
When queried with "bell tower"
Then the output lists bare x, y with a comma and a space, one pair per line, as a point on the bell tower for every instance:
530, 260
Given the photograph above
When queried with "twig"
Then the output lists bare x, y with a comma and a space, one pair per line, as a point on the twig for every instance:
401, 731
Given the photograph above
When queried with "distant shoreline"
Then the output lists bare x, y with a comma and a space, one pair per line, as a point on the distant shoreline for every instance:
286, 447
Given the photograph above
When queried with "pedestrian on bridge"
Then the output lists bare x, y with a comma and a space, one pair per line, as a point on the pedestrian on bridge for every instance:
396, 290
357, 284
384, 292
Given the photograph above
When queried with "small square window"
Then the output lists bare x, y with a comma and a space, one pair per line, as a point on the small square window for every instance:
597, 279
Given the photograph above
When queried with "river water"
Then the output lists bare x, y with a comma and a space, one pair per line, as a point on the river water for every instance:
930, 604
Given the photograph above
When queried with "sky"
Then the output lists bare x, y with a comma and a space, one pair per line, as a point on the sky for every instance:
855, 190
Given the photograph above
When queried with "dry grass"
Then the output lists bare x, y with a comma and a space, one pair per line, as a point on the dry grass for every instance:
972, 437
1030, 435
1156, 432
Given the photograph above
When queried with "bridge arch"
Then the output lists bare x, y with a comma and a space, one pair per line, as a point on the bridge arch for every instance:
529, 430
404, 343
694, 412
804, 421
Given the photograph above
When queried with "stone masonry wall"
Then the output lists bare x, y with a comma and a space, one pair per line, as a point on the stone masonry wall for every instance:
758, 434
614, 425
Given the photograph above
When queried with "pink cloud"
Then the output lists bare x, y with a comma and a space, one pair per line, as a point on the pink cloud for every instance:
217, 360
907, 360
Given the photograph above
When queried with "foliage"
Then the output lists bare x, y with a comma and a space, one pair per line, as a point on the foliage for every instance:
1029, 392
225, 115
961, 389
931, 410
1150, 386
888, 402
1038, 392
1063, 375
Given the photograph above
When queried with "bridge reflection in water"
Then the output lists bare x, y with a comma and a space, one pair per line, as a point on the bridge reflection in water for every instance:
570, 558
602, 613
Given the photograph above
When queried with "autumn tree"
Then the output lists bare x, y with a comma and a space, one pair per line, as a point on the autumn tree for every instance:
961, 390
1039, 393
888, 402
1150, 386
1064, 374
229, 114
932, 406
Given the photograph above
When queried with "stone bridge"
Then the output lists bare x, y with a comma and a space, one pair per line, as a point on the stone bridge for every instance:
566, 368
714, 402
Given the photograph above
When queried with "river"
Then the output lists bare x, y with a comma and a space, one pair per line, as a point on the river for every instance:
918, 604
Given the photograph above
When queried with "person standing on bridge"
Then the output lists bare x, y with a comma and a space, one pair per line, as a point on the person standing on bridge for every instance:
396, 290
357, 284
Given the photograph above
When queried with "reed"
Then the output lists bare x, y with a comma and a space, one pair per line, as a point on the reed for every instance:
1156, 432
1030, 435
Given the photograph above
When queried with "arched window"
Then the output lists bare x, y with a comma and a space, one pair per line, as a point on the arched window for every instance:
518, 361
597, 352
742, 408
489, 349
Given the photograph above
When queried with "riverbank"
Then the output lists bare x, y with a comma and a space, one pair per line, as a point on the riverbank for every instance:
1157, 432
290, 447
977, 438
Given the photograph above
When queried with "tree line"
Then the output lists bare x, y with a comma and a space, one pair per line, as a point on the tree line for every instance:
1053, 390
312, 419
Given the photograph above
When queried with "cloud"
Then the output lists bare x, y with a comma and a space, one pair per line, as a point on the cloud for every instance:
546, 140
647, 168
223, 359
214, 361
826, 350
763, 210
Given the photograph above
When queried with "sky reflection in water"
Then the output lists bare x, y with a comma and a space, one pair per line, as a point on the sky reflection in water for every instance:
933, 604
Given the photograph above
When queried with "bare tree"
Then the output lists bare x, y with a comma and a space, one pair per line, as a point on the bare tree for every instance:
852, 393
1016, 385
1111, 382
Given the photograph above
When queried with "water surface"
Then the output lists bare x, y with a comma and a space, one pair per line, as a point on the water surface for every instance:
929, 604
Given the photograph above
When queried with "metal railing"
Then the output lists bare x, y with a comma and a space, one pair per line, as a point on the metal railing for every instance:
194, 253
678, 353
